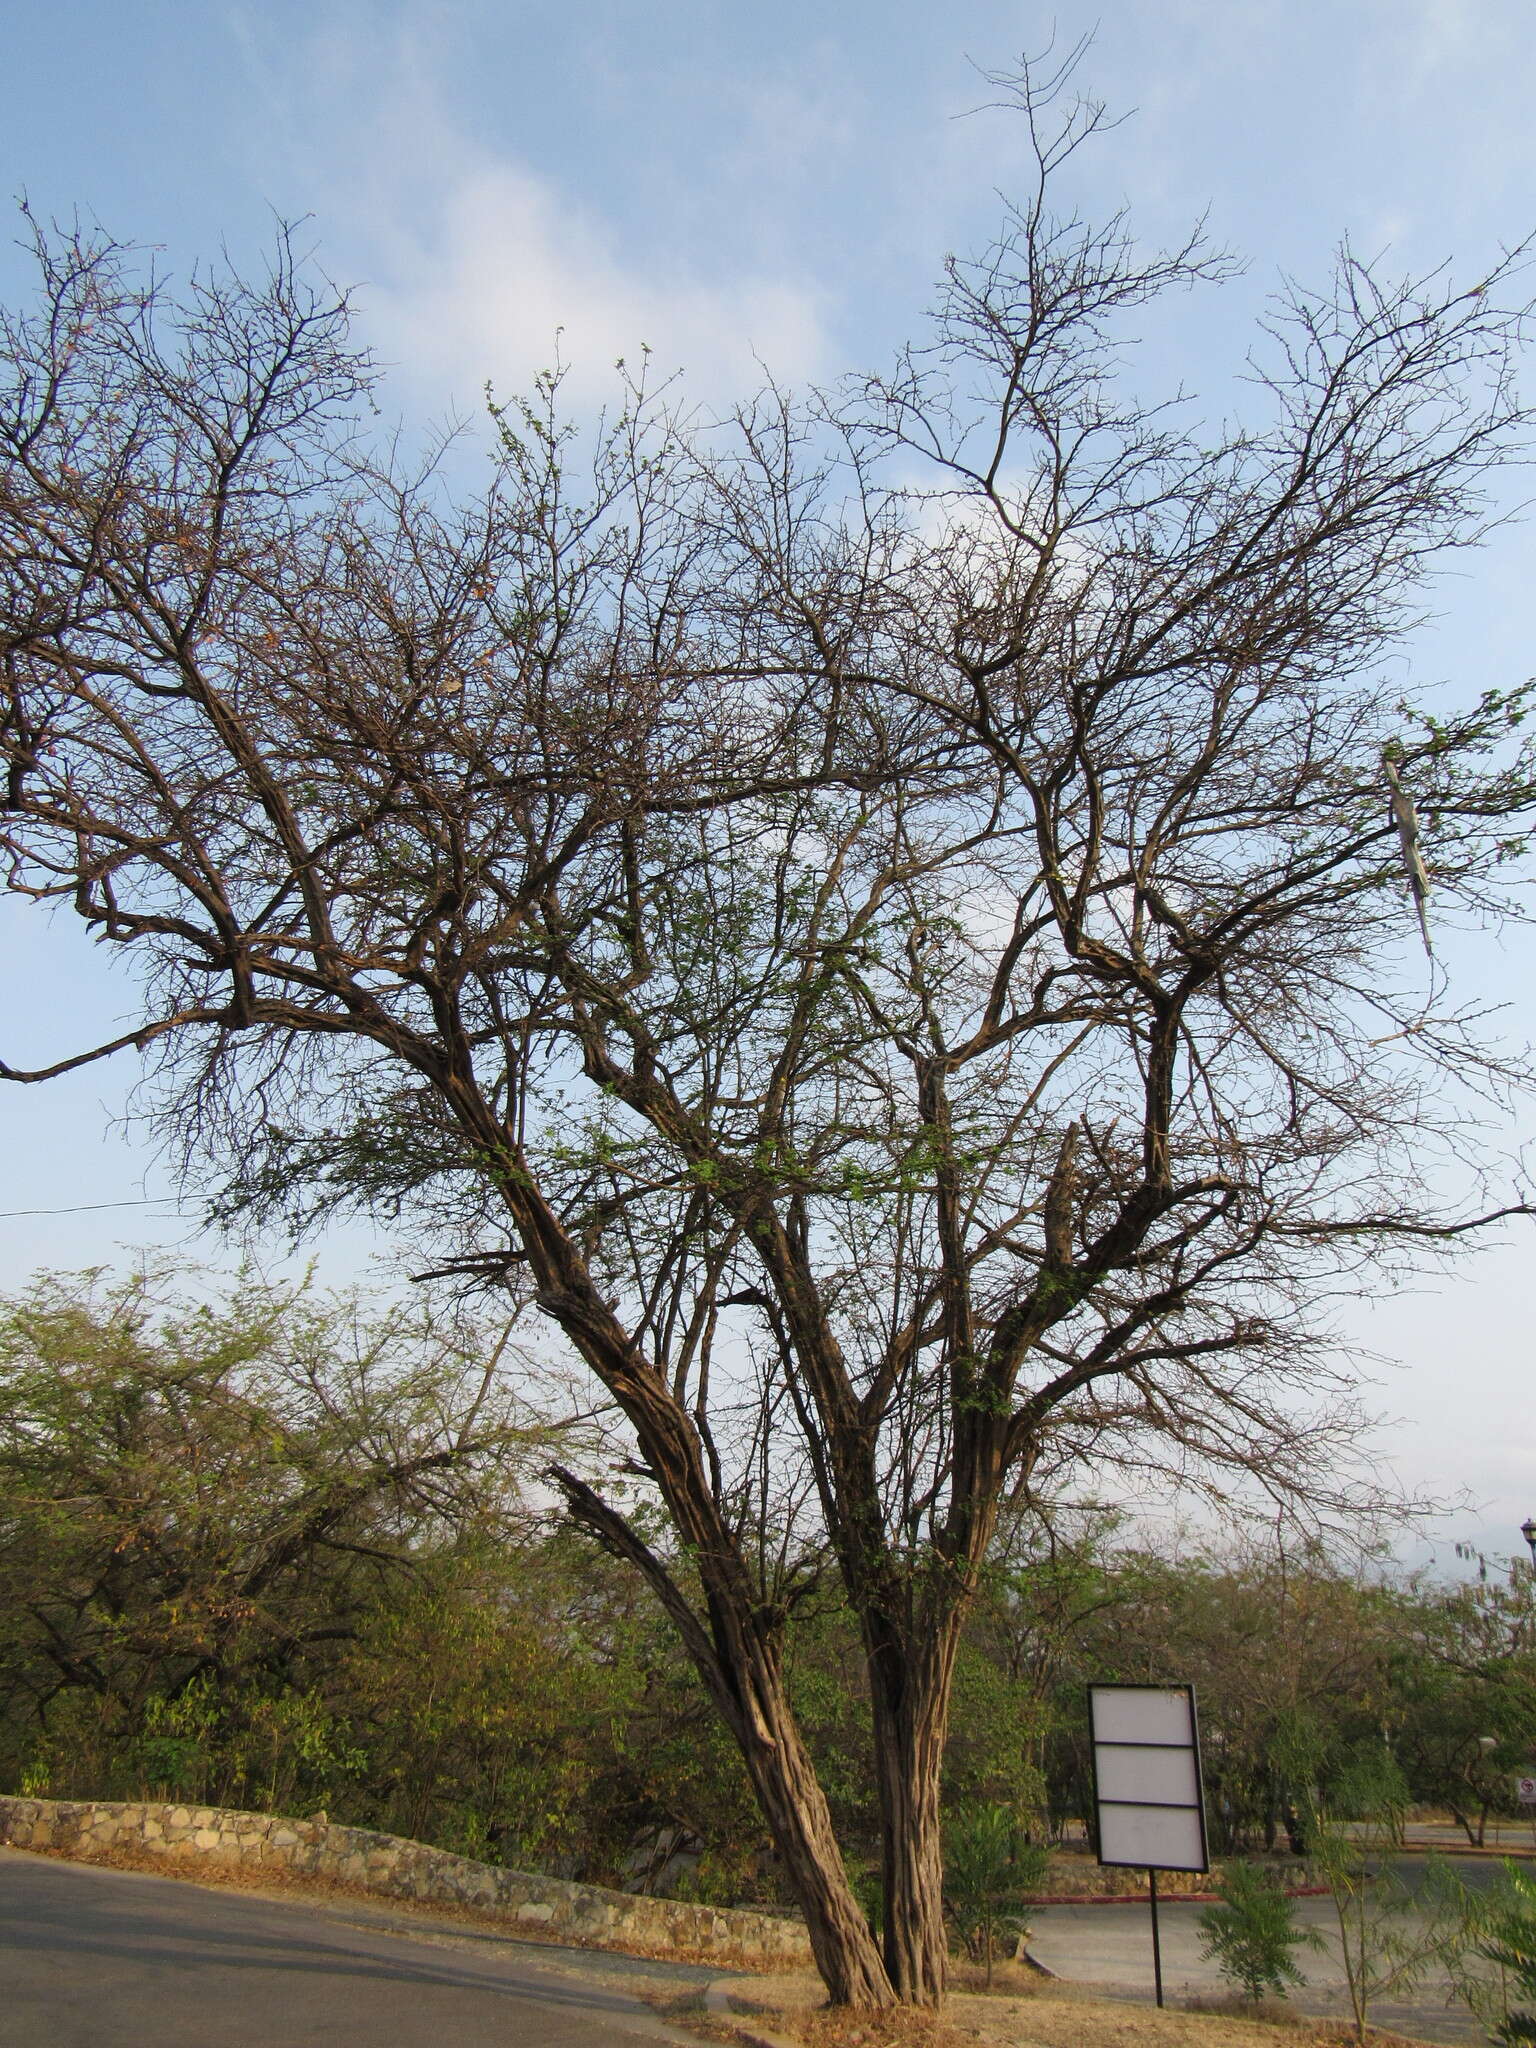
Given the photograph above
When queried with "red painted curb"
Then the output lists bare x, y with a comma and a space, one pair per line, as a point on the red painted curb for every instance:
1292, 1891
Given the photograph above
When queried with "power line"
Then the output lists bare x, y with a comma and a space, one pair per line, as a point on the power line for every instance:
81, 1208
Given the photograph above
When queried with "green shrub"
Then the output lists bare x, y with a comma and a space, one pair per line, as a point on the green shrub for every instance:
989, 1873
1252, 1934
1509, 1939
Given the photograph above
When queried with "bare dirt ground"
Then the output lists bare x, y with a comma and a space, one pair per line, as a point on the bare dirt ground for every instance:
1022, 2011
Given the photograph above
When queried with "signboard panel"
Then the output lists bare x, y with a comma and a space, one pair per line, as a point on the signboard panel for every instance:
1139, 1772
1146, 1764
1142, 1713
1525, 1791
1152, 1838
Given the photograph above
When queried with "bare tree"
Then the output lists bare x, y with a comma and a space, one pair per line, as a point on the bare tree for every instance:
883, 919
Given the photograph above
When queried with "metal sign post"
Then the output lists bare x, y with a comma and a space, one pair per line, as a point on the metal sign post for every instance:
1148, 1799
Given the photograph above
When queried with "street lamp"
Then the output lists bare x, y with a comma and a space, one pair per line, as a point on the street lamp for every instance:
1528, 1531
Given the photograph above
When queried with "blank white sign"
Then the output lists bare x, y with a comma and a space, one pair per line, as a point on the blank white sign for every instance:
1156, 1837
1165, 1776
1146, 1760
1143, 1713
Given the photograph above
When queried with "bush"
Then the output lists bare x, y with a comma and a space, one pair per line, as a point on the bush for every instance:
1509, 1939
989, 1873
1253, 1934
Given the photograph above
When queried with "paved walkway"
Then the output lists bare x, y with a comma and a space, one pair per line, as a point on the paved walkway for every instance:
94, 1958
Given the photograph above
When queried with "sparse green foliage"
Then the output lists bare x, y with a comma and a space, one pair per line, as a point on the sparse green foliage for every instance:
1502, 1925
1253, 1934
990, 1870
1389, 1938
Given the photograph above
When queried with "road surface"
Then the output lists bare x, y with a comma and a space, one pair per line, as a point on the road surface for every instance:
93, 1958
1110, 1948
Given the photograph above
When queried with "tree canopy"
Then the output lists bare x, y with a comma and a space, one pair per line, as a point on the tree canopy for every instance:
884, 918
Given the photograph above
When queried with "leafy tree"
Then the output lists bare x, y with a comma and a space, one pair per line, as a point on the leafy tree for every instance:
1018, 1731
200, 1500
207, 1488
884, 923
1462, 1693
1288, 1653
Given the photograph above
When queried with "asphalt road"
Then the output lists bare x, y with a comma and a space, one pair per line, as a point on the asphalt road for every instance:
1110, 1948
94, 1958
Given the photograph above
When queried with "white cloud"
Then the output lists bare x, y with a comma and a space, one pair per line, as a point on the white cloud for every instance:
1431, 35
499, 263
475, 257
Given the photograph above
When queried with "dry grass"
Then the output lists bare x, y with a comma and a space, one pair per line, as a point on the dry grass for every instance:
1022, 2012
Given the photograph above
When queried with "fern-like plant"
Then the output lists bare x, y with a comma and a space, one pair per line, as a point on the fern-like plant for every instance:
1509, 1939
989, 1872
1252, 1934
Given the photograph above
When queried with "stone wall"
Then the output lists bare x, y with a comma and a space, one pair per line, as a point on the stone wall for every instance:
405, 1870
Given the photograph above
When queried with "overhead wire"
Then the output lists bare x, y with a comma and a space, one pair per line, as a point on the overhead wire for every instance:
82, 1208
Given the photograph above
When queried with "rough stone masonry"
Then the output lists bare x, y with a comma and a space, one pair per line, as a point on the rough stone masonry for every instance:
405, 1870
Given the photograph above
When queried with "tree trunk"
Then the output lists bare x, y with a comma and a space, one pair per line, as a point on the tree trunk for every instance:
796, 1810
909, 1696
738, 1655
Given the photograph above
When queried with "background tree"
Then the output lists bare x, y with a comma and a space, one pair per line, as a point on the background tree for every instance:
1463, 1708
262, 1547
911, 978
201, 1500
1292, 1654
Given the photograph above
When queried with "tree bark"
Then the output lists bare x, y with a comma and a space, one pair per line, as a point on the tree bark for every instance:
910, 1685
737, 1654
795, 1806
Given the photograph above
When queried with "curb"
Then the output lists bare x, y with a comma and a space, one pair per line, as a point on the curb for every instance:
717, 2001
1469, 1849
1292, 1891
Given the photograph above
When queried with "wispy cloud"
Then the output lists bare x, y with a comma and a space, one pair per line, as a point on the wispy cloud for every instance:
505, 268
477, 263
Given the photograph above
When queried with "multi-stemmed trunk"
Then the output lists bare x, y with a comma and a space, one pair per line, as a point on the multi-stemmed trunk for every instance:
737, 1648
910, 1686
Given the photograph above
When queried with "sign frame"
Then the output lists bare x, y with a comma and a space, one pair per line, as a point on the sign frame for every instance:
1191, 1748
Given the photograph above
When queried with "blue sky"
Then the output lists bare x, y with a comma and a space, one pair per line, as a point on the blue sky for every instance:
732, 183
